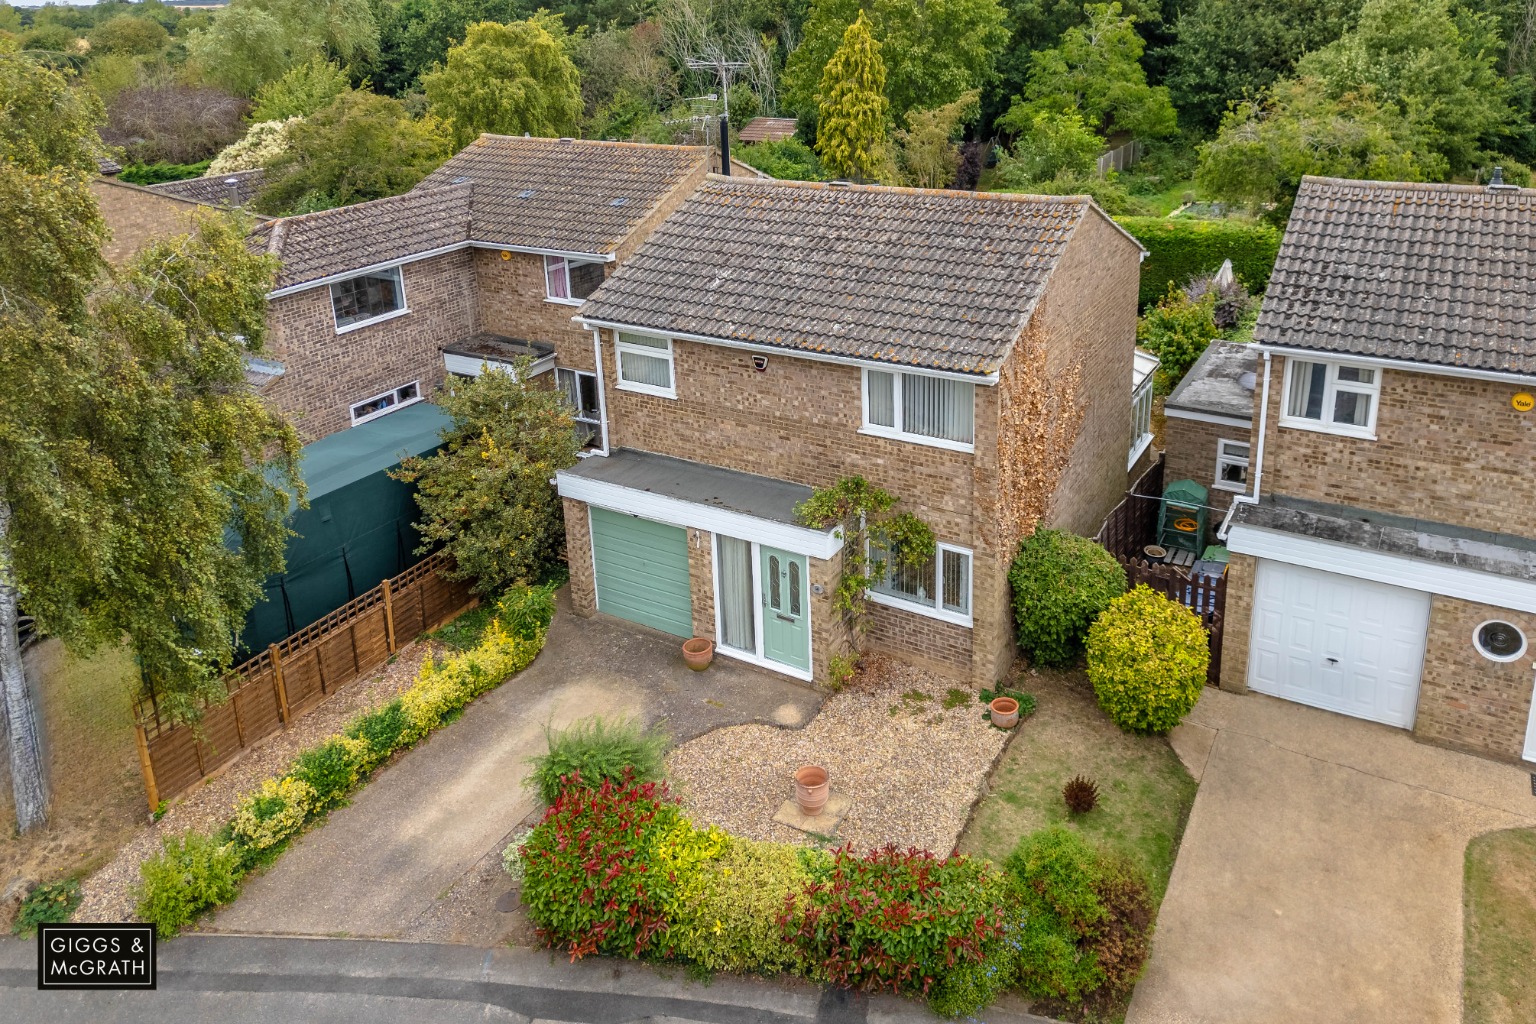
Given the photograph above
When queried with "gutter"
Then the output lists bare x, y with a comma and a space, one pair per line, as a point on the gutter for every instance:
1258, 461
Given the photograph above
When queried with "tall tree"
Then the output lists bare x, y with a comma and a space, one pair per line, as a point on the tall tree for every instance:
416, 34
252, 42
934, 52
303, 89
926, 153
508, 79
851, 106
134, 451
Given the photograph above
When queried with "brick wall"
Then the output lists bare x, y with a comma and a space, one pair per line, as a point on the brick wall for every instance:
1466, 701
1447, 449
510, 299
578, 553
701, 581
933, 643
1237, 622
136, 216
1191, 455
326, 373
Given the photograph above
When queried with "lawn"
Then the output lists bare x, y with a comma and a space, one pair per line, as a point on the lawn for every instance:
1144, 792
1499, 981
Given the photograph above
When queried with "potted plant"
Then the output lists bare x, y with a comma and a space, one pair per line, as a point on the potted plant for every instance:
698, 653
812, 788
1005, 712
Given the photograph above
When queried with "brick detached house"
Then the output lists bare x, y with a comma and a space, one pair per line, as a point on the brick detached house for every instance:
1384, 556
970, 353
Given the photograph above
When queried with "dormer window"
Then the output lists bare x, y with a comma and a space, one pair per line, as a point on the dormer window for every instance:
366, 298
570, 281
1332, 397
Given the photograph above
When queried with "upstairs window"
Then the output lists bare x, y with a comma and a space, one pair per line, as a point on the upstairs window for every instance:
368, 297
1335, 398
1141, 420
917, 407
940, 586
1232, 465
645, 364
568, 280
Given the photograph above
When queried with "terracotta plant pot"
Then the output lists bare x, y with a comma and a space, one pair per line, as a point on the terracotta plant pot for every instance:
1005, 712
698, 653
812, 787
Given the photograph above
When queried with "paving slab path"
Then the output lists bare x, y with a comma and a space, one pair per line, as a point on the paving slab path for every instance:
416, 854
1320, 876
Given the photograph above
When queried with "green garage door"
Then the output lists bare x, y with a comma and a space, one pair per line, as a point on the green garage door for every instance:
642, 571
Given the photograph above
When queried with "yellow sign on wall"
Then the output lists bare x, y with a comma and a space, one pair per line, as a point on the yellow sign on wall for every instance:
1523, 401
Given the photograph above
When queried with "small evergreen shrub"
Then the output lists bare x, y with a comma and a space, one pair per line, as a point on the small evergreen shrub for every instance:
382, 729
329, 770
274, 813
598, 749
1061, 582
971, 987
1147, 661
896, 920
1178, 330
189, 875
733, 922
51, 903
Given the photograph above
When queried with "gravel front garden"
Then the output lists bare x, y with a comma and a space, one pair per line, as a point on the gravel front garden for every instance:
909, 749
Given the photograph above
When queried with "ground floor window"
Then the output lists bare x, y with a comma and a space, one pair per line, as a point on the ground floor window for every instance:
941, 585
389, 401
1232, 465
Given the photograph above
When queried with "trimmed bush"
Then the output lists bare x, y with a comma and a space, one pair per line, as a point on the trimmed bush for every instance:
189, 875
1087, 917
732, 924
382, 729
598, 749
1147, 661
896, 920
526, 612
1177, 330
51, 903
444, 688
274, 813
591, 874
1180, 249
1061, 582
154, 174
330, 771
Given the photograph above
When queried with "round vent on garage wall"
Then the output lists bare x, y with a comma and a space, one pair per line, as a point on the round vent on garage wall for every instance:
1499, 641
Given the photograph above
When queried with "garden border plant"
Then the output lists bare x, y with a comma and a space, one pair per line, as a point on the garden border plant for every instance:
195, 871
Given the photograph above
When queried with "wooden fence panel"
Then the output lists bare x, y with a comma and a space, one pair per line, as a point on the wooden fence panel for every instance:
370, 637
220, 740
301, 678
338, 660
260, 715
410, 622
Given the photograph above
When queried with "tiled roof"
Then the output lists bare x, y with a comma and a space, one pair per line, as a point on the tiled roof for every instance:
929, 278
313, 246
768, 129
1429, 273
568, 195
236, 189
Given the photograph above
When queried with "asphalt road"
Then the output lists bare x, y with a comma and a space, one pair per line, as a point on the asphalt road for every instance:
239, 979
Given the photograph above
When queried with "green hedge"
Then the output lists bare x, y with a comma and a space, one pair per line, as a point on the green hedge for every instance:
1181, 249
155, 174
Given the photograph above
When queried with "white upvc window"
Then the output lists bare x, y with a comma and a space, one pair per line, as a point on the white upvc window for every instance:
1336, 398
645, 364
388, 402
570, 281
919, 407
940, 587
1232, 465
1141, 420
368, 298
580, 390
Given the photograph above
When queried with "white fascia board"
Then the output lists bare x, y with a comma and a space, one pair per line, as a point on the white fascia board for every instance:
470, 366
663, 509
789, 353
1317, 356
372, 267
1380, 567
589, 257
1207, 417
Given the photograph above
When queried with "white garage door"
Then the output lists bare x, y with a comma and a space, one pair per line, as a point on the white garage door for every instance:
1338, 643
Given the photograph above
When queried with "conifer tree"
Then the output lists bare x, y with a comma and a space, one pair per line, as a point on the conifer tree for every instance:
851, 133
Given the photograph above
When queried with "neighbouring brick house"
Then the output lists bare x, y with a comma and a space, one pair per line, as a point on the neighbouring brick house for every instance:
967, 352
1384, 557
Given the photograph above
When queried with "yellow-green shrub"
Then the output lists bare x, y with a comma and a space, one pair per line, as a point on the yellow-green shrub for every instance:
445, 687
732, 921
1147, 660
273, 813
684, 854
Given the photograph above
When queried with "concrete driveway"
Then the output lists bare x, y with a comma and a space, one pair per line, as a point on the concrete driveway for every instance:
1320, 877
417, 853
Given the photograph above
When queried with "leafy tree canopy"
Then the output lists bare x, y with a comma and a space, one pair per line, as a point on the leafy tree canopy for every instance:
415, 34
934, 52
508, 79
253, 42
130, 35
303, 89
360, 147
851, 106
926, 153
1048, 144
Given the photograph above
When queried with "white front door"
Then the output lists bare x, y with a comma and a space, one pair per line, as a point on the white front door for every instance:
1338, 643
1530, 730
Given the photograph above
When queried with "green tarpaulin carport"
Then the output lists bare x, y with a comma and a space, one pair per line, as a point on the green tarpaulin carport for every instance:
357, 530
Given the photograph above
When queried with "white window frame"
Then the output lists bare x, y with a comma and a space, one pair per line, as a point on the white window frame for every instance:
565, 262
1223, 459
398, 403
896, 432
597, 424
405, 305
620, 346
1141, 421
937, 611
1331, 387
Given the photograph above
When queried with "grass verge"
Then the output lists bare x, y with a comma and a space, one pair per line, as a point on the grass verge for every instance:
1499, 977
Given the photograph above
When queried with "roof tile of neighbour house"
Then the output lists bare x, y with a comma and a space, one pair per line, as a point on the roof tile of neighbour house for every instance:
1436, 274
314, 246
235, 189
566, 195
768, 129
924, 278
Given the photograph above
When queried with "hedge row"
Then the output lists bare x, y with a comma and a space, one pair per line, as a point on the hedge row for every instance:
620, 870
194, 872
1179, 249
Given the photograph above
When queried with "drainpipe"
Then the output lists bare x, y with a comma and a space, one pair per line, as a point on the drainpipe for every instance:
1258, 461
602, 392
725, 143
